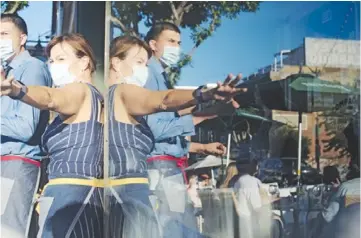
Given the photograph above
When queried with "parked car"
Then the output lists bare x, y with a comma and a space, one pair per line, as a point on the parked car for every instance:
284, 172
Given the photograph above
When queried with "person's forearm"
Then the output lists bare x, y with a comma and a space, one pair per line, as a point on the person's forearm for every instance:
141, 102
186, 111
197, 148
36, 96
219, 109
197, 120
178, 100
182, 99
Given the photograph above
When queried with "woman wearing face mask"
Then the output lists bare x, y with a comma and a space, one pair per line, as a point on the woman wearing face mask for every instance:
130, 139
70, 205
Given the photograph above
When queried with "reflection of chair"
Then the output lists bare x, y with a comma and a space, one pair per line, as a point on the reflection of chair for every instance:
209, 212
220, 219
220, 216
212, 209
227, 214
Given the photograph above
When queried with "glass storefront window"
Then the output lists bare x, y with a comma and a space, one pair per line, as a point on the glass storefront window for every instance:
315, 45
266, 167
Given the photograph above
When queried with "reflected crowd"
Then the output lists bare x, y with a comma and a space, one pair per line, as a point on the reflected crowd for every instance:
56, 126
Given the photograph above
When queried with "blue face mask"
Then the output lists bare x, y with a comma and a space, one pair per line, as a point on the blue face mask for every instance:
171, 55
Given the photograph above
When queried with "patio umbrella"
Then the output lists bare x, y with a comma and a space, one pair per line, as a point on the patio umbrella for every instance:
208, 162
303, 93
243, 113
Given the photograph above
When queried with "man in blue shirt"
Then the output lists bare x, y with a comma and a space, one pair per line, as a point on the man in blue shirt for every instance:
21, 129
169, 156
169, 128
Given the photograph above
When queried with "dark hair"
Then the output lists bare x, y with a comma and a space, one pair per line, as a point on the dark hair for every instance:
247, 166
330, 174
16, 20
158, 28
120, 46
79, 44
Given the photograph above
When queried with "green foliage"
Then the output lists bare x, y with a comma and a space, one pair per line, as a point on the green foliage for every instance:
335, 122
202, 18
13, 6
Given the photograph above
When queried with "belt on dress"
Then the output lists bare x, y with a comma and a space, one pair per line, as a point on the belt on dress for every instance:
15, 157
93, 182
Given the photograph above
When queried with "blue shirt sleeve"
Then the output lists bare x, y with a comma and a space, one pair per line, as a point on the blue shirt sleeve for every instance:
21, 123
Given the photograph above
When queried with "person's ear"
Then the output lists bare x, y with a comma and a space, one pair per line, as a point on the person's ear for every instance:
84, 63
153, 45
115, 64
23, 39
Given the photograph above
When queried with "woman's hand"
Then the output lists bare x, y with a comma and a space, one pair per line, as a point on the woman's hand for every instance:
9, 87
225, 91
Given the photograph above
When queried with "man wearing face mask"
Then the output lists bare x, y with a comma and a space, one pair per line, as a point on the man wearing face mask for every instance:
21, 128
168, 159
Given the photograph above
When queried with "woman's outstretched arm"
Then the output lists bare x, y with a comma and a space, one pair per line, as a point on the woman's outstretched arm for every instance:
139, 101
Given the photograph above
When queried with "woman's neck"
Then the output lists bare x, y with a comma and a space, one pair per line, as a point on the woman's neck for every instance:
87, 78
114, 78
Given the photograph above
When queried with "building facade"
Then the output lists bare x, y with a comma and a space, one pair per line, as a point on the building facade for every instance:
331, 60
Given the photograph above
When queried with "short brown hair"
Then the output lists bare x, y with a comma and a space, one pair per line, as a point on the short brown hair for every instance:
80, 45
120, 46
16, 20
158, 28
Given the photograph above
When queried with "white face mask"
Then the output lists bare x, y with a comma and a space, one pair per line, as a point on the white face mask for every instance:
139, 77
6, 49
171, 55
61, 75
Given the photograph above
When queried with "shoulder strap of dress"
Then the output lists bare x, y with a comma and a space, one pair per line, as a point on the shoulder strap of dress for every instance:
97, 102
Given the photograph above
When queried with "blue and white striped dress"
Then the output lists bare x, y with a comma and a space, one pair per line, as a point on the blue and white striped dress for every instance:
129, 145
131, 213
76, 150
75, 208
